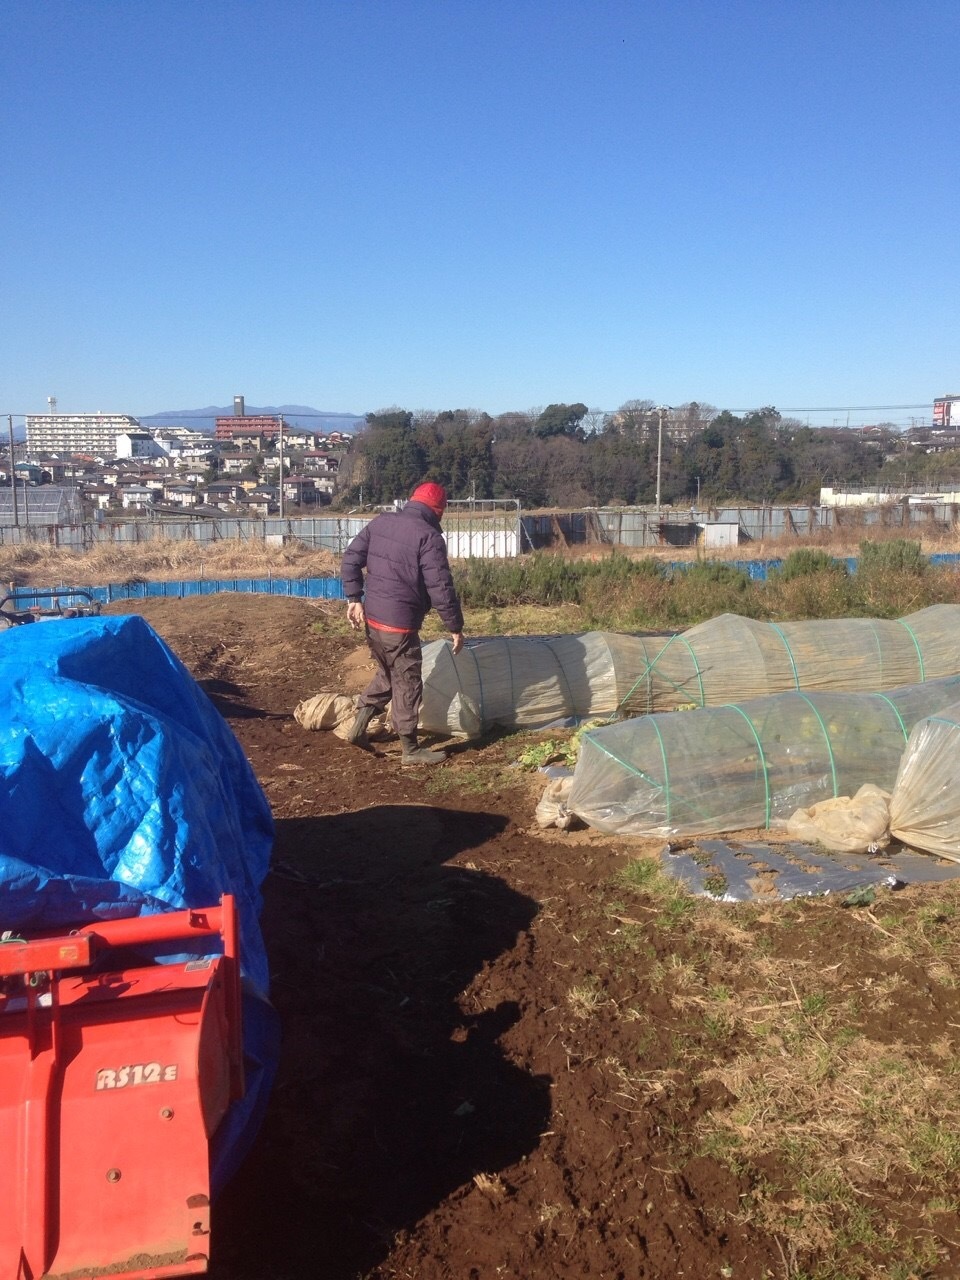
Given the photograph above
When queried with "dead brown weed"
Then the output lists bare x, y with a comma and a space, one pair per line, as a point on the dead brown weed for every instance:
36, 565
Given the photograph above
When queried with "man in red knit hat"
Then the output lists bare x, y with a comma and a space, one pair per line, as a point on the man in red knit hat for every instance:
407, 573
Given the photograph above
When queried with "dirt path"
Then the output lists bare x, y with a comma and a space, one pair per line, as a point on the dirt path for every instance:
496, 1061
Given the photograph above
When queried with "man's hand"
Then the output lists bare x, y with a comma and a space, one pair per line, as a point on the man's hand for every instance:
355, 615
456, 641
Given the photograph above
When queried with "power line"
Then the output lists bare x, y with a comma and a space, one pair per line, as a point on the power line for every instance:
844, 408
208, 417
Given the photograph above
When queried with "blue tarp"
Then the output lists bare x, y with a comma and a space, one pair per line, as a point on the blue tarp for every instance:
123, 792
299, 588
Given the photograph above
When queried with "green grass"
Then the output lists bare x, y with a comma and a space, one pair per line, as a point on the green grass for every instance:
641, 873
898, 554
809, 560
621, 593
468, 781
645, 875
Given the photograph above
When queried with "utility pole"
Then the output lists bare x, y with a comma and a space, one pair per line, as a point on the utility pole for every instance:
13, 474
661, 410
280, 454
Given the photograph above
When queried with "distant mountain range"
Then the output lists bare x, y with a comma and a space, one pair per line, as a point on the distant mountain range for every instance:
294, 415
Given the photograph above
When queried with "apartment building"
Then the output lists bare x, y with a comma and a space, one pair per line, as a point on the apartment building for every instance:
94, 433
262, 428
946, 413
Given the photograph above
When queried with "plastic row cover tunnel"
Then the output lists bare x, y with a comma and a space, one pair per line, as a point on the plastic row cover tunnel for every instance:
528, 682
748, 764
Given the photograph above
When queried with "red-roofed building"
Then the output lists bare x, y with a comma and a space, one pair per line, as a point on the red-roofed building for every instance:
262, 427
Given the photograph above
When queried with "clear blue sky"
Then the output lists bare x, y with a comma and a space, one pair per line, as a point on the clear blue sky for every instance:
489, 205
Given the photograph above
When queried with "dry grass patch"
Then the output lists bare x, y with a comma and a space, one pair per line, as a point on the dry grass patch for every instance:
631, 1089
838, 1122
514, 620
163, 559
835, 1111
831, 1090
585, 999
491, 1186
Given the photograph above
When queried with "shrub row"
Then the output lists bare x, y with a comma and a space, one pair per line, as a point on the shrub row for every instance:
622, 593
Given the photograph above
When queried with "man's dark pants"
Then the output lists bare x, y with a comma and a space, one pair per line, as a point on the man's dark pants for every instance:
399, 677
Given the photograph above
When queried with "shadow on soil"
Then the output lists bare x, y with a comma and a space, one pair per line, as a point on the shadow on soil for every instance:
230, 701
388, 1095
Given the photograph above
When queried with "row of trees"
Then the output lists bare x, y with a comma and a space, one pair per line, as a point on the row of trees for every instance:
569, 456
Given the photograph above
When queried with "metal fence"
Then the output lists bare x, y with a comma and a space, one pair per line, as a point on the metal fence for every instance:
484, 529
329, 533
499, 529
639, 527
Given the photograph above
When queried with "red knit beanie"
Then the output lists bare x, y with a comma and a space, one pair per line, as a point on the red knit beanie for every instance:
431, 495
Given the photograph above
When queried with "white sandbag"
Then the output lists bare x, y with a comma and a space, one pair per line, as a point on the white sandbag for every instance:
552, 810
846, 824
325, 711
335, 712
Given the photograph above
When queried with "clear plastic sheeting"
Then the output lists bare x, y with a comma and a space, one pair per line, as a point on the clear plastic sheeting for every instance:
528, 682
925, 804
746, 765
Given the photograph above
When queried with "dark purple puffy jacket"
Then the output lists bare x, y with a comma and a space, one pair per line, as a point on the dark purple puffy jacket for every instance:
405, 557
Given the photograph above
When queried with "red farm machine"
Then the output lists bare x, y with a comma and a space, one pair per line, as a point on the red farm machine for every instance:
115, 1072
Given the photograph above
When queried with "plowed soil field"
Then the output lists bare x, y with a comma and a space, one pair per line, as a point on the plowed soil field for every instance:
509, 1053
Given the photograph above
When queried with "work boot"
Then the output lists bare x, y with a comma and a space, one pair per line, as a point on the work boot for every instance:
414, 754
358, 730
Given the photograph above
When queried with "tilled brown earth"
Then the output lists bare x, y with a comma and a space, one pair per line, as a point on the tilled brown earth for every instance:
493, 1062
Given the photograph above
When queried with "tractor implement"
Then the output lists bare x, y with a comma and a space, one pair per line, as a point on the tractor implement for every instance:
115, 1072
43, 604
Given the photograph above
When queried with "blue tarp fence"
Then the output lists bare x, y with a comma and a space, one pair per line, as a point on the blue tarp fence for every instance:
331, 588
760, 570
301, 588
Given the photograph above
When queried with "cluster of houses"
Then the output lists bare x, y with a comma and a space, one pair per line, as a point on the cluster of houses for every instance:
180, 472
